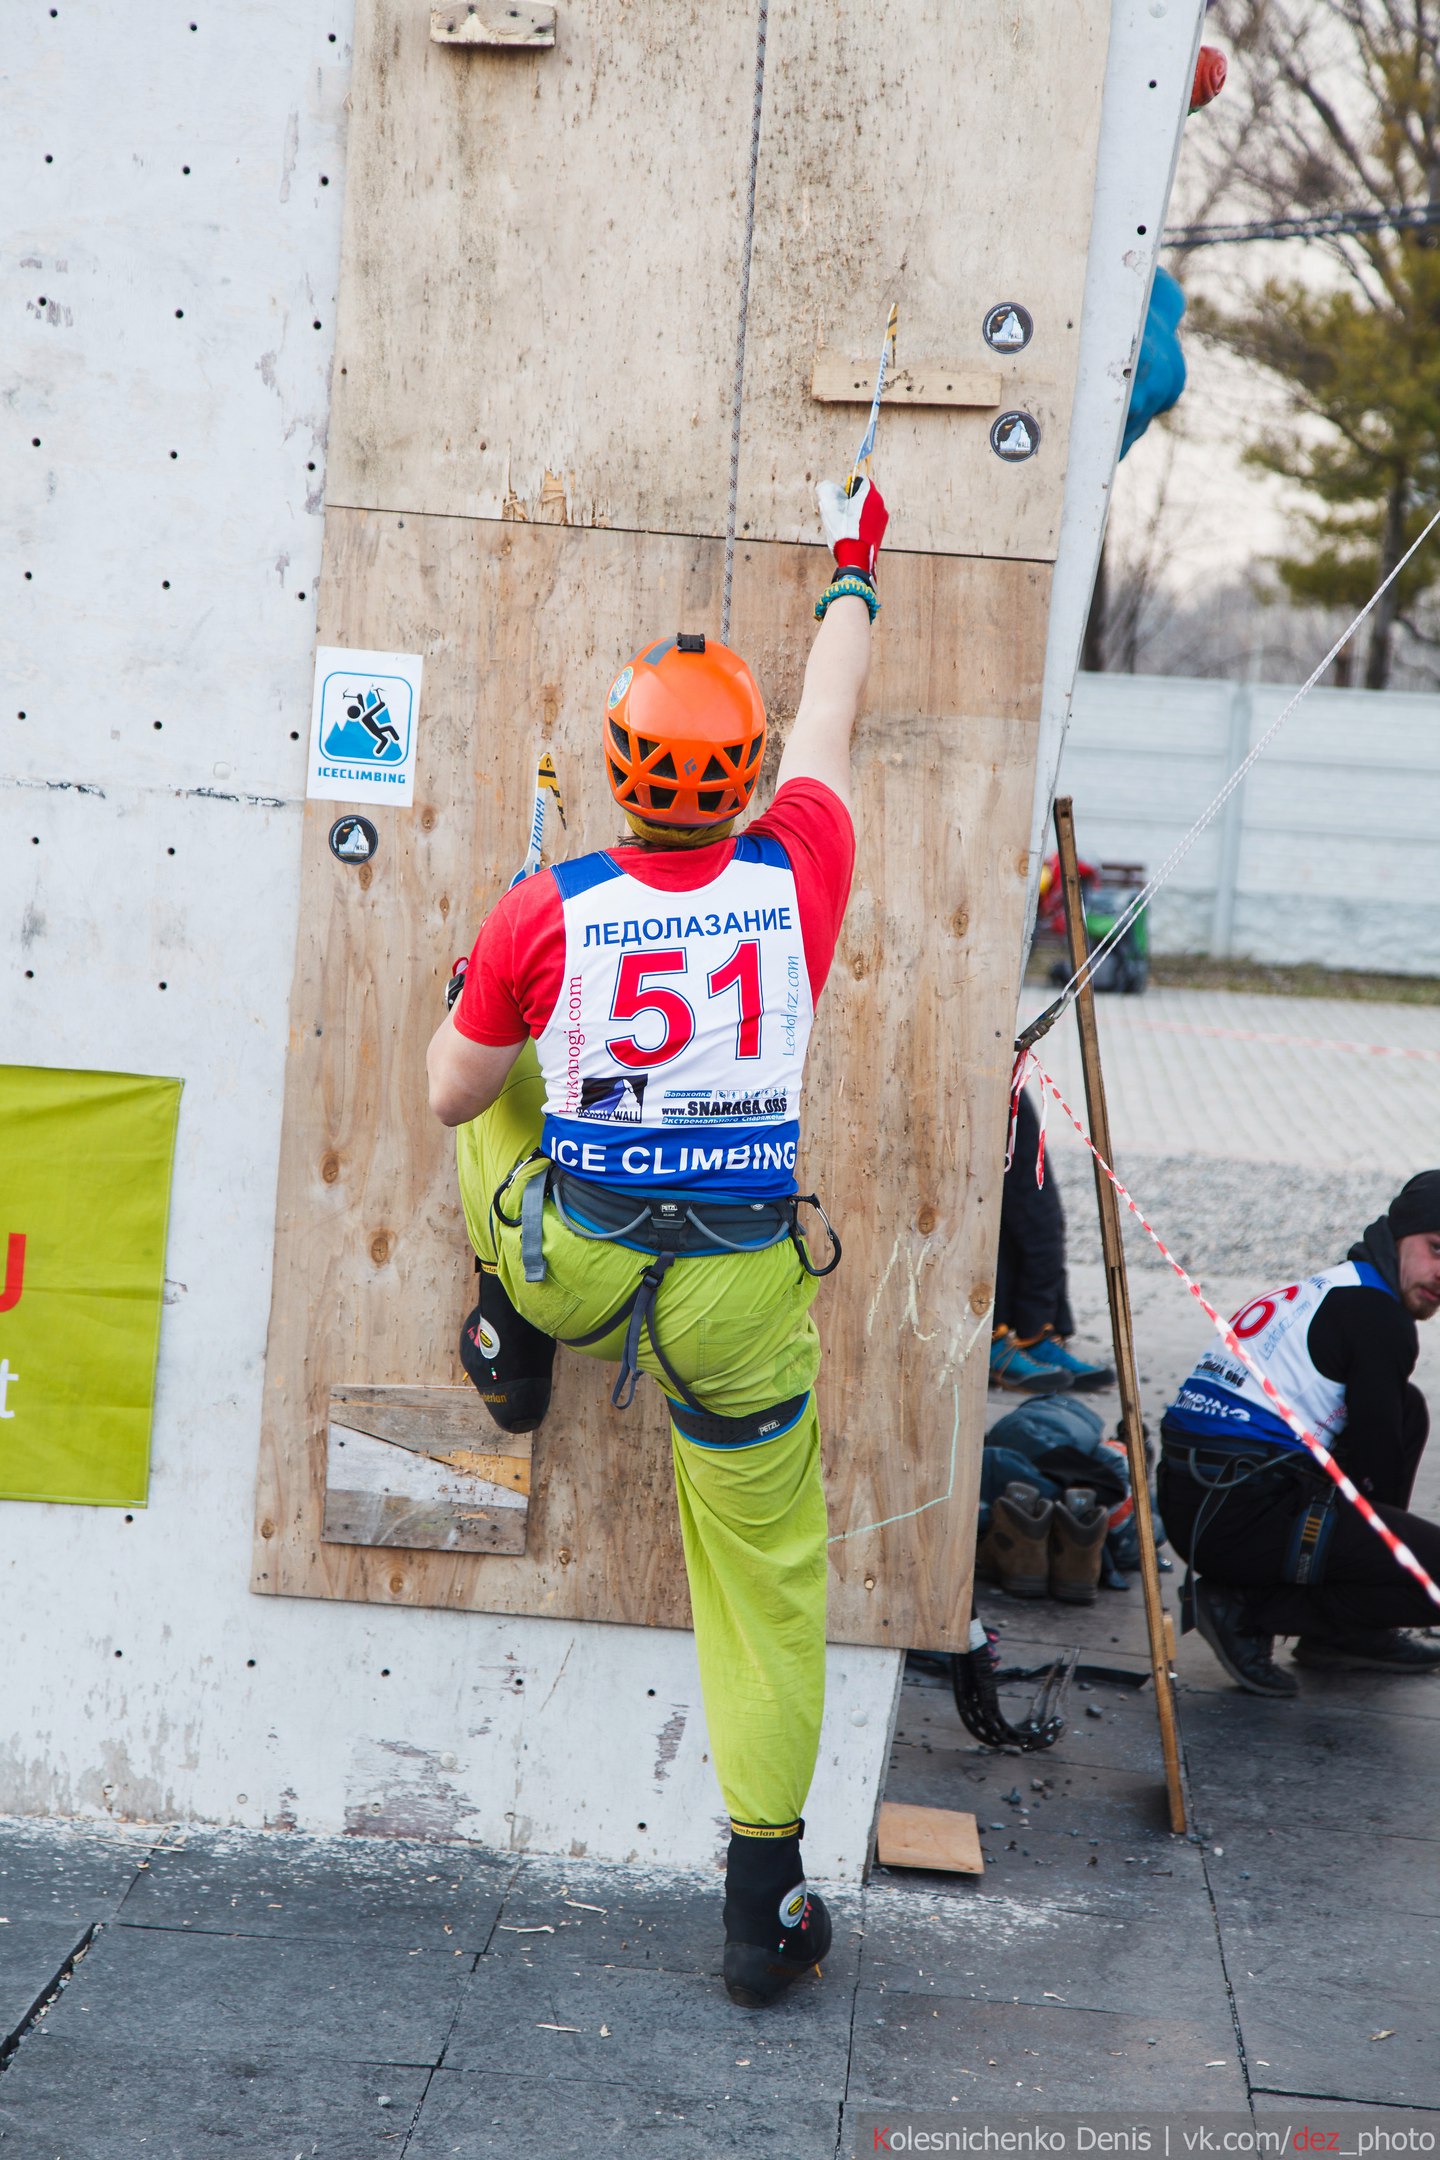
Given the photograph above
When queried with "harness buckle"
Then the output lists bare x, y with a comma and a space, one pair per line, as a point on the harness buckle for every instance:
669, 1220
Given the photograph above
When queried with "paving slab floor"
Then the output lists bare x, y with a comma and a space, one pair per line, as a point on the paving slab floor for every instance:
177, 1994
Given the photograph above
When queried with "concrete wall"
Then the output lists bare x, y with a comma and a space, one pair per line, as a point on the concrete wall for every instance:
170, 344
1324, 853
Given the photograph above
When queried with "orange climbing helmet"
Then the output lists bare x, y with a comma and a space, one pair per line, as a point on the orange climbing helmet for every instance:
684, 733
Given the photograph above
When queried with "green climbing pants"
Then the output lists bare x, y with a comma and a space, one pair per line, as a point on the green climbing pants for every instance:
737, 1329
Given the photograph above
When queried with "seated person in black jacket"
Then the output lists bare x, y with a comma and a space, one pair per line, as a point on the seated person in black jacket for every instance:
1278, 1548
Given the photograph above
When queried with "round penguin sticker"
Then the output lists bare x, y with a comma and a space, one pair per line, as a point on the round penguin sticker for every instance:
353, 839
618, 688
1015, 436
792, 1906
1008, 328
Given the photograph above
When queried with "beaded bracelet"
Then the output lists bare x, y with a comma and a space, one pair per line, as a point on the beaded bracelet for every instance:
849, 581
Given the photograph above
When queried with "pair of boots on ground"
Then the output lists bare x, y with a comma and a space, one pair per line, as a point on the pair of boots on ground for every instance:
776, 1928
1036, 1547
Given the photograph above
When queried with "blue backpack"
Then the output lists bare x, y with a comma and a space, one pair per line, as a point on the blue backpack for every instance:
1056, 1441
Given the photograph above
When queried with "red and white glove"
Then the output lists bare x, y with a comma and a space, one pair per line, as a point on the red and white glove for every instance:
854, 524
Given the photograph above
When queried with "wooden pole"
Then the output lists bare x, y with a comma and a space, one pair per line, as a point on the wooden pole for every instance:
1122, 1331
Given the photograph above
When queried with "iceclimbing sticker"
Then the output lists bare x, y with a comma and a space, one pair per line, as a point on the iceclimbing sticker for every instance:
363, 727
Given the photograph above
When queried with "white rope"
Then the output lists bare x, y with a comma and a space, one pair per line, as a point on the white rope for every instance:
735, 395
1083, 973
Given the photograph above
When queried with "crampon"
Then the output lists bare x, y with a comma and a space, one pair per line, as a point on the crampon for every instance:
975, 1675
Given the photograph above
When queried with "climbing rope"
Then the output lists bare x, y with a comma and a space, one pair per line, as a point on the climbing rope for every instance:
739, 384
1041, 1026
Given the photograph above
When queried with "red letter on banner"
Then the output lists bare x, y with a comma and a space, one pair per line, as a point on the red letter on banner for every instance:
14, 1271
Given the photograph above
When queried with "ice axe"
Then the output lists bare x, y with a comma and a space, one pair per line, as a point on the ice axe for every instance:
547, 787
860, 470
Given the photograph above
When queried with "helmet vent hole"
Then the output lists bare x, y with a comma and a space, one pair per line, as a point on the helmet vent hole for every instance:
621, 738
617, 774
753, 751
715, 770
662, 797
647, 748
664, 768
735, 751
710, 800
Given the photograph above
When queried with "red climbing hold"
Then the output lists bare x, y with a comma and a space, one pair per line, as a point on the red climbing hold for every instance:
1209, 77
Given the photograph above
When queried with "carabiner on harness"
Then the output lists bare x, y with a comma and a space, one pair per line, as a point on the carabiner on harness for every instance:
797, 1235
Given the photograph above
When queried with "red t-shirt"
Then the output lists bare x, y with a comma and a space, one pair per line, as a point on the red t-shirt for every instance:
516, 967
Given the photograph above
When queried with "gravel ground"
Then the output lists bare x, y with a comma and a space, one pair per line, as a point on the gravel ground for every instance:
1222, 1218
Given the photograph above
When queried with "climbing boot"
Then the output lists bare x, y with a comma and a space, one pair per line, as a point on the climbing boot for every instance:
1390, 1650
1053, 1354
1015, 1550
508, 1359
776, 1928
1248, 1658
1014, 1368
1077, 1544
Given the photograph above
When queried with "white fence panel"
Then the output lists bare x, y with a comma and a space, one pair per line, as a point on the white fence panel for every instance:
1323, 852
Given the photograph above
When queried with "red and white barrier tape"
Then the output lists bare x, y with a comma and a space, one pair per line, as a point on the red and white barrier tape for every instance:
1027, 1063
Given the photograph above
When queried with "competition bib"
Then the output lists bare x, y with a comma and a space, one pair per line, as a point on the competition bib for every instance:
674, 1055
1223, 1401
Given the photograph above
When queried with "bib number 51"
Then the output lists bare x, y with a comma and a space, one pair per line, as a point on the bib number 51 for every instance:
636, 995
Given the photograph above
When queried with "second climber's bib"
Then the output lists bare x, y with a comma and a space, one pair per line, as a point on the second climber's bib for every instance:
1223, 1403
674, 1055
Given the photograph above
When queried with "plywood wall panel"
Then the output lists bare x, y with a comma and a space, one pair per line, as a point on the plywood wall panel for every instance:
905, 1096
541, 280
944, 158
542, 267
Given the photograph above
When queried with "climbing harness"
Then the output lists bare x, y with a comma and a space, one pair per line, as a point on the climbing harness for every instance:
1220, 1471
547, 788
1042, 1024
664, 1230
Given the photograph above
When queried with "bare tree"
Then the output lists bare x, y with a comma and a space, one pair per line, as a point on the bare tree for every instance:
1334, 108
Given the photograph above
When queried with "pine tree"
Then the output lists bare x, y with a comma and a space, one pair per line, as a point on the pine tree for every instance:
1339, 110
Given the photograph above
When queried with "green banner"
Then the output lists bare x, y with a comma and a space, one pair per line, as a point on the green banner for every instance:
85, 1161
